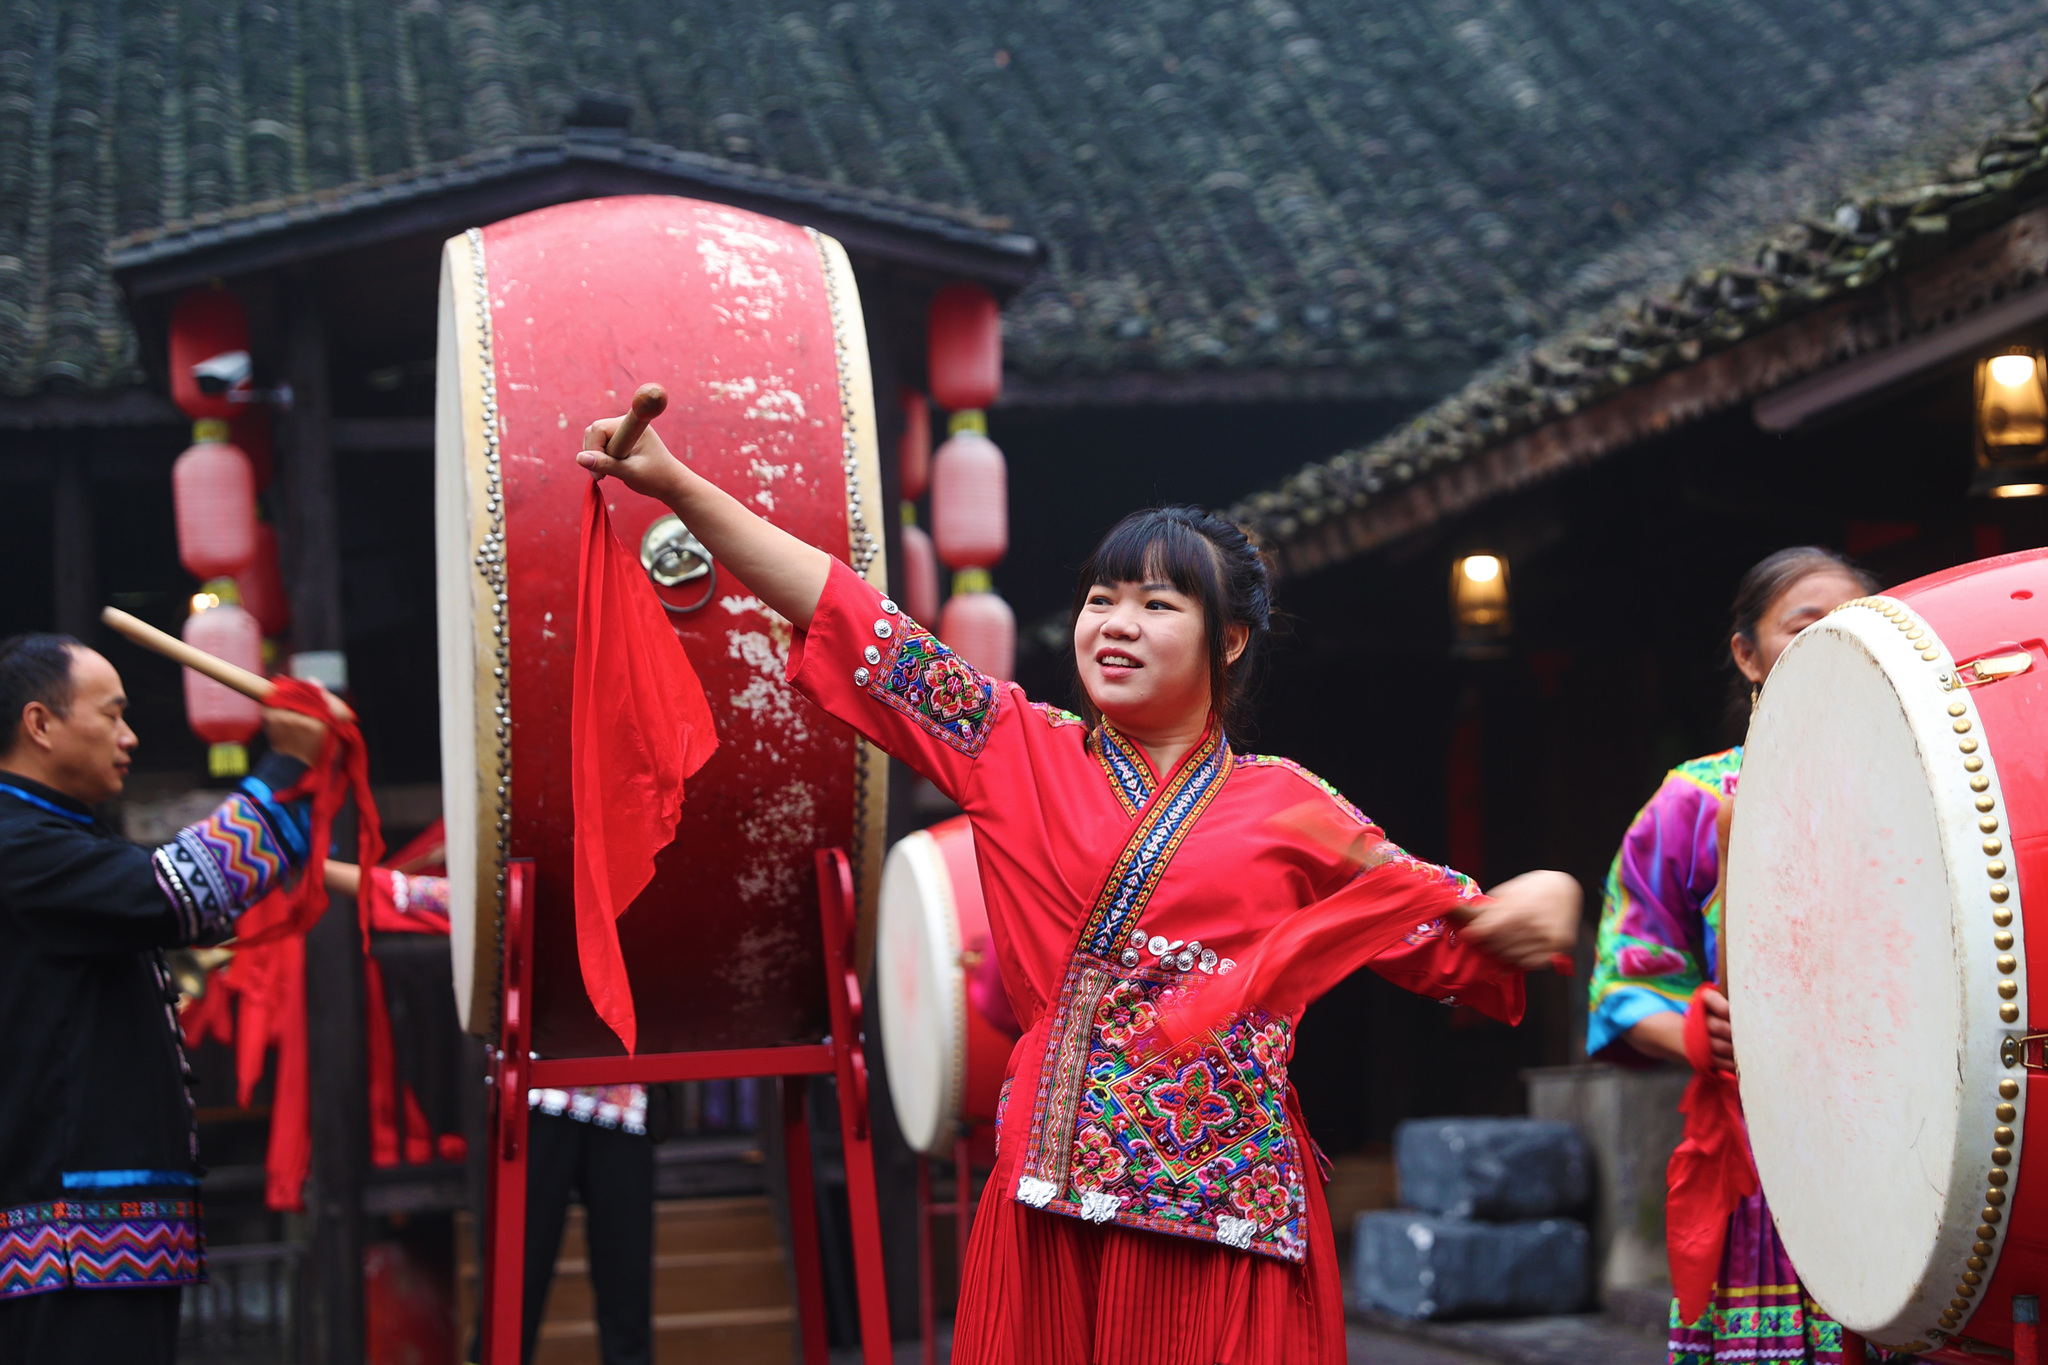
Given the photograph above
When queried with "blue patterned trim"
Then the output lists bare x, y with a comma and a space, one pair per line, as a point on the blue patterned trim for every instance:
1152, 845
122, 1180
40, 804
1130, 774
933, 686
97, 1244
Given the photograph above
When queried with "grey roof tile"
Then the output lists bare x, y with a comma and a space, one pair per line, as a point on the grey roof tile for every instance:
1274, 184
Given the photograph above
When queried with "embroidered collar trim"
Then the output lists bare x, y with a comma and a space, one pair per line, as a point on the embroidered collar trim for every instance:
1168, 818
1130, 772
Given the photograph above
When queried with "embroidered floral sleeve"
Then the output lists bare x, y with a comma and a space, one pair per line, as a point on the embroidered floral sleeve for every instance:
865, 661
215, 869
1655, 944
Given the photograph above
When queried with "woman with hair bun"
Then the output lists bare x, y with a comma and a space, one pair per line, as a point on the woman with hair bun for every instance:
1163, 908
1657, 965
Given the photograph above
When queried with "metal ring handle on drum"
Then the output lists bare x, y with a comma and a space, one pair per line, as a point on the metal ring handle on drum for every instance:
672, 556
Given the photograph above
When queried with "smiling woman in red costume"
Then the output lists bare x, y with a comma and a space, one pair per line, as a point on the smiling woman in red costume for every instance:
1155, 1177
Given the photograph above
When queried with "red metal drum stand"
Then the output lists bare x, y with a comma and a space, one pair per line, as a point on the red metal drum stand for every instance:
516, 1069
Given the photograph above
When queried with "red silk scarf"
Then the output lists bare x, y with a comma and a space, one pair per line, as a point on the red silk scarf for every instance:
343, 769
639, 726
1709, 1173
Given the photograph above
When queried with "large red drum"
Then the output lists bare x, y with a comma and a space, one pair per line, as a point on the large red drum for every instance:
548, 322
1891, 824
947, 1026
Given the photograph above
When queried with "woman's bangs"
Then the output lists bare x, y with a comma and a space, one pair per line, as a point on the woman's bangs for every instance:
1156, 550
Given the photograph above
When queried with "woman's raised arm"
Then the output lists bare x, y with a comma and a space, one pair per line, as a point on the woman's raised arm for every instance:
787, 574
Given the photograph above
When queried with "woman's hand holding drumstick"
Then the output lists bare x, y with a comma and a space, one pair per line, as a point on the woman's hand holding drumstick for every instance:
783, 571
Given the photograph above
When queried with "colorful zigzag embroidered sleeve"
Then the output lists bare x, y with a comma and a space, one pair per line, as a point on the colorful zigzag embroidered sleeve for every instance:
215, 869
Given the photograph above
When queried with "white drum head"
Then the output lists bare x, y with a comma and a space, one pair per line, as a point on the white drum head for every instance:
924, 998
472, 766
1862, 970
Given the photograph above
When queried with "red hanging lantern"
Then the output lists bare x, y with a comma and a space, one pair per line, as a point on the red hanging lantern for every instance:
261, 585
970, 501
964, 347
979, 626
224, 718
920, 572
209, 354
213, 493
914, 451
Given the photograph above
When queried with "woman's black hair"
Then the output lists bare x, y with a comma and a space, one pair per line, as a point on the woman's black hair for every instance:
1773, 576
1210, 560
1767, 580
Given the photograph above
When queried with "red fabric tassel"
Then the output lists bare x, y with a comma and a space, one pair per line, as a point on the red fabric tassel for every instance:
256, 1002
344, 768
1709, 1173
640, 726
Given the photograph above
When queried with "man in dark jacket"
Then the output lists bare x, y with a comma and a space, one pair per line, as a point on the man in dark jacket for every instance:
99, 1170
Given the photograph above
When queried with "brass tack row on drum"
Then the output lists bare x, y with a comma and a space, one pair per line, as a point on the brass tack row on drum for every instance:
1876, 869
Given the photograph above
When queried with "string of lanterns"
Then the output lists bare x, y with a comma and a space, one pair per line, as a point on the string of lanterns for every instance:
222, 540
969, 481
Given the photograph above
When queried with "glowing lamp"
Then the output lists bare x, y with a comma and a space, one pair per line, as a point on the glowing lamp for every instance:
224, 718
979, 626
920, 572
970, 501
2012, 425
213, 495
1479, 598
964, 347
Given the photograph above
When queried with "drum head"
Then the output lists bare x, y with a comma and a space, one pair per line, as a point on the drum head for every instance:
923, 995
1862, 969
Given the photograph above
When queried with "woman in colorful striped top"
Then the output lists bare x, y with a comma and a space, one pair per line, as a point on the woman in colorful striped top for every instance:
1659, 945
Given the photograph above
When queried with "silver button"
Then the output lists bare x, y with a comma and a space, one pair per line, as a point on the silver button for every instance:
1137, 938
1209, 960
1157, 947
889, 605
860, 677
1186, 961
1130, 957
883, 630
872, 655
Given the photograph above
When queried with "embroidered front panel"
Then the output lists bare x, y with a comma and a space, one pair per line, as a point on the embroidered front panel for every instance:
929, 683
1188, 1137
98, 1244
1191, 1138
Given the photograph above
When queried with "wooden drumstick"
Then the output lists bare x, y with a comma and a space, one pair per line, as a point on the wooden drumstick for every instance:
199, 661
649, 402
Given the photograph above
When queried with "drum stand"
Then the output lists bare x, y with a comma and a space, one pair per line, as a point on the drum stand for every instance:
515, 1069
961, 1209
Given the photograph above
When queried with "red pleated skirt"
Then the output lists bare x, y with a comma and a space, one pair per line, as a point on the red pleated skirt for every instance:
1044, 1289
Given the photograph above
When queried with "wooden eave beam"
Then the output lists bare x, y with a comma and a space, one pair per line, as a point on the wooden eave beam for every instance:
1943, 294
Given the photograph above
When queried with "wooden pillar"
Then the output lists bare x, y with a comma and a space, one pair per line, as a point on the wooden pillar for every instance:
76, 608
312, 530
335, 1036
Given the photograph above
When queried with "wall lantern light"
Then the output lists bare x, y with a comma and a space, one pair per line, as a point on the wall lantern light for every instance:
1479, 601
2012, 425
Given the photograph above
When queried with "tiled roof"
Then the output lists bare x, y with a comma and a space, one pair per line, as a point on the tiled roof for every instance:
1815, 261
1273, 184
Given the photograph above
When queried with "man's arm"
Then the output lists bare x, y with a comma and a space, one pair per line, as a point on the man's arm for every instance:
76, 891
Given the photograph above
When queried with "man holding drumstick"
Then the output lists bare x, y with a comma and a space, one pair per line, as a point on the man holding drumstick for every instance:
99, 1154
